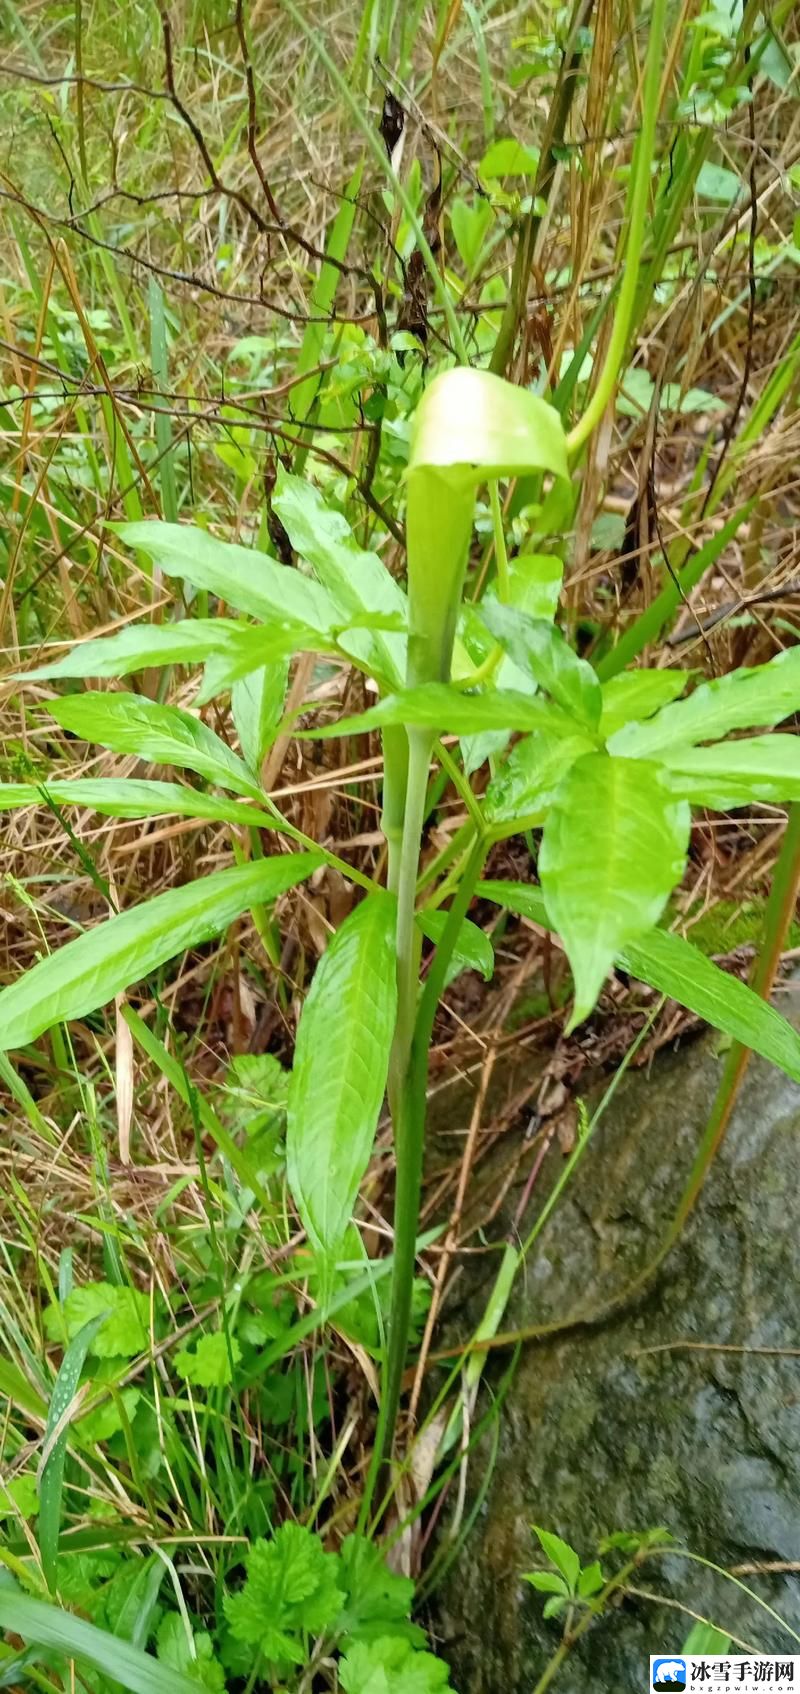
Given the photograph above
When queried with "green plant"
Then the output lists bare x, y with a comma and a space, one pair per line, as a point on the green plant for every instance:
293, 1612
579, 1594
608, 771
607, 763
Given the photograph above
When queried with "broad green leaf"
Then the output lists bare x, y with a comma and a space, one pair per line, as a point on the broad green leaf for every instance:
546, 1582
89, 971
534, 584
391, 1665
560, 1554
257, 704
717, 183
43, 1625
51, 1479
674, 967
539, 648
356, 580
508, 157
440, 706
125, 1313
473, 950
378, 1600
744, 699
735, 773
614, 846
524, 786
638, 694
290, 1589
339, 1076
224, 670
470, 225
470, 426
241, 576
191, 1652
591, 1580
208, 1364
19, 1496
128, 797
163, 735
352, 637
190, 642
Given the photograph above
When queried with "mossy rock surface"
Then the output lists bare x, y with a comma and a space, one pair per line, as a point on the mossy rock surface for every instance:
600, 1433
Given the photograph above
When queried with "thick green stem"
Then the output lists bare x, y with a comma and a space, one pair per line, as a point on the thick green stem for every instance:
638, 200
409, 1130
395, 782
420, 742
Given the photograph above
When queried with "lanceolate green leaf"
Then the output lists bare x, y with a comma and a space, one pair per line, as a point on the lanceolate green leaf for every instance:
88, 972
51, 1481
525, 785
534, 585
538, 647
473, 950
674, 967
128, 797
638, 694
43, 1625
734, 773
164, 735
356, 580
440, 706
257, 706
189, 642
745, 699
340, 1067
240, 576
613, 848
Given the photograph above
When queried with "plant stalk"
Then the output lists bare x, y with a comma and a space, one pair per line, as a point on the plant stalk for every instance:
409, 1132
557, 122
638, 201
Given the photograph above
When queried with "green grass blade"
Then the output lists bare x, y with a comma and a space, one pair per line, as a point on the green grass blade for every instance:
44, 1625
51, 1482
158, 360
648, 627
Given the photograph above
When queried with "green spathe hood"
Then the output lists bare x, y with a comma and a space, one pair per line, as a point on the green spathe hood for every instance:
470, 427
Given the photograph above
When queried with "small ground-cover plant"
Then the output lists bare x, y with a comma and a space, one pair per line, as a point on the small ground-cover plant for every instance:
577, 1595
292, 1612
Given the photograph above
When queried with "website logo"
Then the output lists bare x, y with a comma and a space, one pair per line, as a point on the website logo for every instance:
669, 1676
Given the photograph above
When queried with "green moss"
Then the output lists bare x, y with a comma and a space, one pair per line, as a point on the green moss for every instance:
732, 924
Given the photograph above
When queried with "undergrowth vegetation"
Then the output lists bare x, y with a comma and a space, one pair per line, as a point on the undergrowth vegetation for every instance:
398, 604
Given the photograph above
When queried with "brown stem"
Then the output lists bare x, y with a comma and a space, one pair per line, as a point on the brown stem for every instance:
563, 97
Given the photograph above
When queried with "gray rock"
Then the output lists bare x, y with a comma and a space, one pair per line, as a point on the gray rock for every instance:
600, 1434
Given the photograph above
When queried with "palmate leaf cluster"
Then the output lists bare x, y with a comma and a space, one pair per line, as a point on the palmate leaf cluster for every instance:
292, 1604
294, 1591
